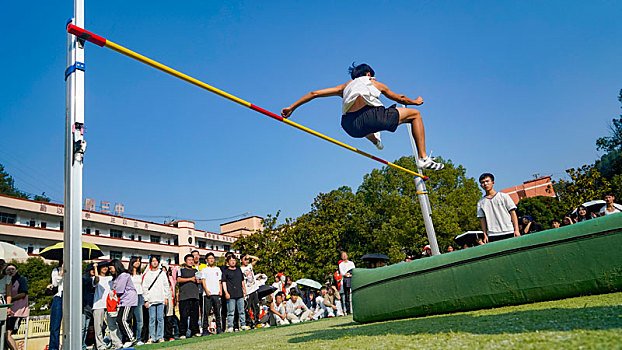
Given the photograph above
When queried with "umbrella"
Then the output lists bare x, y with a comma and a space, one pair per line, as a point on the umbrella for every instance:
309, 283
595, 206
265, 290
10, 252
55, 252
375, 257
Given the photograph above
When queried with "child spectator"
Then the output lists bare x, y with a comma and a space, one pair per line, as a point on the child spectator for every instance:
567, 221
235, 292
188, 298
530, 226
156, 292
56, 312
135, 270
18, 295
296, 310
128, 299
496, 210
320, 308
211, 279
583, 214
332, 301
252, 302
102, 284
345, 269
277, 309
609, 207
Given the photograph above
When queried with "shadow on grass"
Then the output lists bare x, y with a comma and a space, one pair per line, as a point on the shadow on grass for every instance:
556, 319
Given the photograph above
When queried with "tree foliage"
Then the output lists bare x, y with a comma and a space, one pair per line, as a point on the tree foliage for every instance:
614, 141
383, 216
586, 183
7, 185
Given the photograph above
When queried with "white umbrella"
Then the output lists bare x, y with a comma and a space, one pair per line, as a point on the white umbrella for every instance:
9, 252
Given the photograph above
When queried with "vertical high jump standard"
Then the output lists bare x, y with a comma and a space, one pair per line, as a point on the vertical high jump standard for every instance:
74, 153
424, 200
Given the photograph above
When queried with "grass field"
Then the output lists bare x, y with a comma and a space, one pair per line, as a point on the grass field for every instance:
591, 322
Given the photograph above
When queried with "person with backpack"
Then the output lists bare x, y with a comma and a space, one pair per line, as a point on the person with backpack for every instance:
156, 291
125, 292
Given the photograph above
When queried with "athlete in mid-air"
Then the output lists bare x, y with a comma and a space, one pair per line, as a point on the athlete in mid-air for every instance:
365, 116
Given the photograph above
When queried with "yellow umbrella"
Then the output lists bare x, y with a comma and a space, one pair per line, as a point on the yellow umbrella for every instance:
90, 251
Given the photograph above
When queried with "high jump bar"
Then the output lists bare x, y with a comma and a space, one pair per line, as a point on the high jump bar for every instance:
100, 41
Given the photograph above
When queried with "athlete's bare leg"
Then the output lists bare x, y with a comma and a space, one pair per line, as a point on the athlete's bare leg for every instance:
413, 116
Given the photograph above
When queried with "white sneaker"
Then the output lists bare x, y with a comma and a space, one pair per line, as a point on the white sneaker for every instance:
229, 330
429, 163
128, 344
139, 343
378, 143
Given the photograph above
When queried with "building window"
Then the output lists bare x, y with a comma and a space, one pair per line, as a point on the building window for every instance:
88, 231
7, 218
140, 238
30, 250
116, 233
202, 244
44, 224
154, 239
61, 225
31, 223
96, 232
226, 248
116, 255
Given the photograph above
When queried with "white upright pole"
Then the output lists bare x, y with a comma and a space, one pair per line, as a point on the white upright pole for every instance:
424, 201
74, 153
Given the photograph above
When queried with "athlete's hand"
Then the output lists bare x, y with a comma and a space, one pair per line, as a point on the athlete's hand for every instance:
419, 101
286, 112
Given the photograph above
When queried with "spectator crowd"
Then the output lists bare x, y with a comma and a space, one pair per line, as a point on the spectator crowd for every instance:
128, 305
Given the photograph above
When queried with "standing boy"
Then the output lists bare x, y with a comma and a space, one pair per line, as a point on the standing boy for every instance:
211, 279
609, 208
188, 298
234, 289
252, 303
496, 210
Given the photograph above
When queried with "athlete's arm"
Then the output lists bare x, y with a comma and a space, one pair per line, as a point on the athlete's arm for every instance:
396, 97
334, 91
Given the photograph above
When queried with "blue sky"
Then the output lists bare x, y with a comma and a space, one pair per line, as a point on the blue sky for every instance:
514, 88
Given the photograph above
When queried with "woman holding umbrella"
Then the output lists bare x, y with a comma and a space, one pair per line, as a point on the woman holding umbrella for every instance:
128, 299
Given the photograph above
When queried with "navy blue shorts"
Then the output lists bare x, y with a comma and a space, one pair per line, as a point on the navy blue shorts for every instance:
370, 119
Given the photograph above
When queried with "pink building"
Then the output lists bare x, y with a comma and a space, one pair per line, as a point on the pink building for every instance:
36, 225
541, 186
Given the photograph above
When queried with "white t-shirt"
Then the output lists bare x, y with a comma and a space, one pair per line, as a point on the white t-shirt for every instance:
604, 210
249, 278
344, 267
137, 280
496, 210
57, 281
101, 292
361, 86
212, 277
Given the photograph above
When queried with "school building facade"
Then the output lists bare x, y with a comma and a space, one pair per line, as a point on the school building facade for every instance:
35, 225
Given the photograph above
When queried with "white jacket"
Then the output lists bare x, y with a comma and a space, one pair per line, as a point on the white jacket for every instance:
161, 289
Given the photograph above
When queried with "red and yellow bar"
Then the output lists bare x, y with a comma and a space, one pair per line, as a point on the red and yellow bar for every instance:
100, 41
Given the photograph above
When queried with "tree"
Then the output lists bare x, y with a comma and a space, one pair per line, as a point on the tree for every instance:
542, 209
7, 185
586, 183
613, 142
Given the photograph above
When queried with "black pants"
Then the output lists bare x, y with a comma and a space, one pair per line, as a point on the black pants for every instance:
347, 294
124, 319
209, 303
252, 305
189, 308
